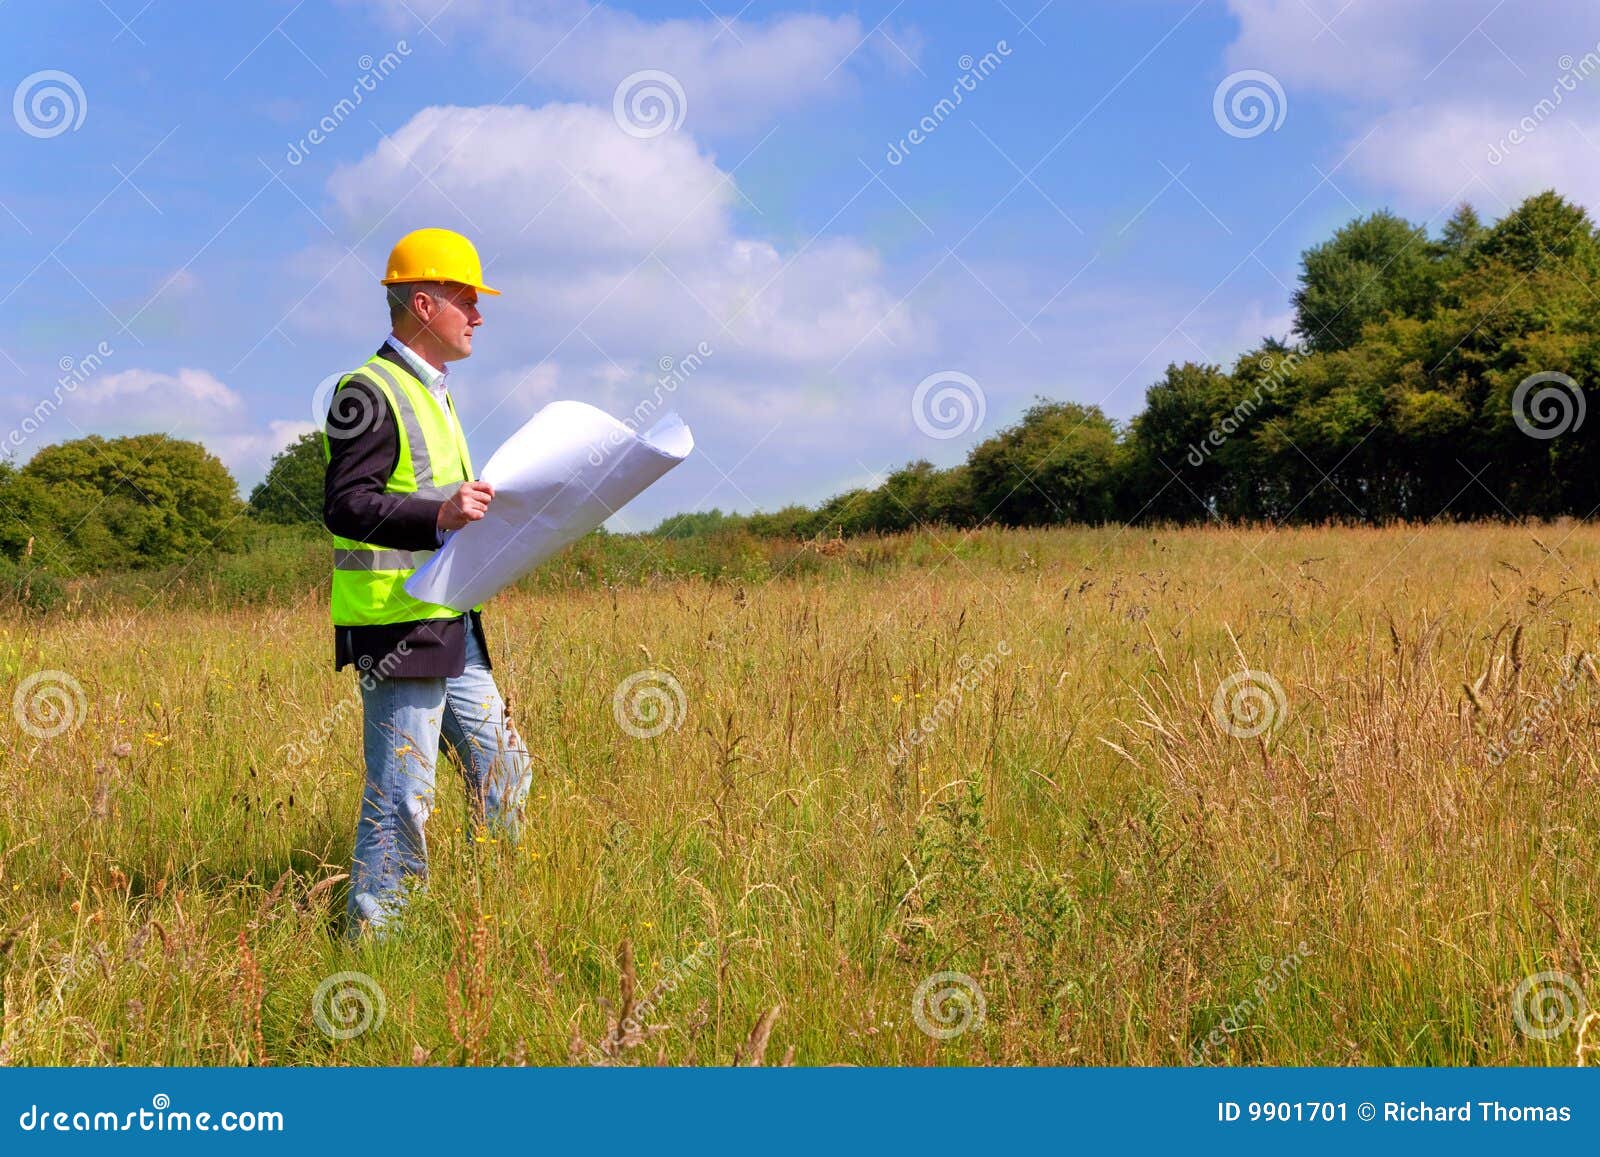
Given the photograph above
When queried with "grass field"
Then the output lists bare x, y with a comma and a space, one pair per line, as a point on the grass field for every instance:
1002, 756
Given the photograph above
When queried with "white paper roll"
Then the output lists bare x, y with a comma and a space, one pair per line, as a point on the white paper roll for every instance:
565, 472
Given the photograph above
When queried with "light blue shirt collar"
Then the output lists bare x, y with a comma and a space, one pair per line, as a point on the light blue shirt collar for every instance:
426, 374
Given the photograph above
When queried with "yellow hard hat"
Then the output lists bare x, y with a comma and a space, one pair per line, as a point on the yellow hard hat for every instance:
435, 255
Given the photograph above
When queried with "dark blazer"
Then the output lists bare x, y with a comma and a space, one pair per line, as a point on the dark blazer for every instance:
354, 505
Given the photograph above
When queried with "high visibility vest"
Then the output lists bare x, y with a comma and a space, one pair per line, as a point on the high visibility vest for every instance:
368, 580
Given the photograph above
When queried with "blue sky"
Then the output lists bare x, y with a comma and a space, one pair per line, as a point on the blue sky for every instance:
1082, 218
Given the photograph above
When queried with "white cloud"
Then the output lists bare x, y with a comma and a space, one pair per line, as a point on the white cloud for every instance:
1436, 87
609, 249
140, 400
736, 74
1436, 157
560, 182
191, 404
1364, 49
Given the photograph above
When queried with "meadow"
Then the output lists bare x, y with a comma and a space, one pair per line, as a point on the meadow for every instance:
1313, 796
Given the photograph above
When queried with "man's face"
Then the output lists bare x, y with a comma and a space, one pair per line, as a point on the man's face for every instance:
450, 317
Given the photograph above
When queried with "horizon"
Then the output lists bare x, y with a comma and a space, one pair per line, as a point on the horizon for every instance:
842, 205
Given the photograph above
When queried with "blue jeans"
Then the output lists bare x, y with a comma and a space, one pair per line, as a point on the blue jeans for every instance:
403, 721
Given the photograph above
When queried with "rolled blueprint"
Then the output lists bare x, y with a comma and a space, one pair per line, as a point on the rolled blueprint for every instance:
565, 472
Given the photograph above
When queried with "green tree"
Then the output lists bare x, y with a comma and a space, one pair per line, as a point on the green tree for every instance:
1544, 228
146, 500
1373, 266
291, 493
1171, 468
1056, 465
696, 523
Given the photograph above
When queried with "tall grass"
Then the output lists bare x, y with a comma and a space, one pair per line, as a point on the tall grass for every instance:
1117, 869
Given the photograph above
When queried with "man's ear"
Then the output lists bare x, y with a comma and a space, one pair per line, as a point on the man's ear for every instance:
423, 309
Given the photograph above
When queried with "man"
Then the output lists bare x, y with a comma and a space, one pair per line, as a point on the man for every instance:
399, 478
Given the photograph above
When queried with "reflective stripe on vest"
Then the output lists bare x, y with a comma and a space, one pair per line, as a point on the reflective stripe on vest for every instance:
368, 579
379, 559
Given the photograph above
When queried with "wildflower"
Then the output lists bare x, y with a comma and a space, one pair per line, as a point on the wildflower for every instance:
896, 698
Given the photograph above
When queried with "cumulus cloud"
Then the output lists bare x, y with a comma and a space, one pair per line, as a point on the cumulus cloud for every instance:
1439, 91
609, 248
557, 182
736, 74
190, 403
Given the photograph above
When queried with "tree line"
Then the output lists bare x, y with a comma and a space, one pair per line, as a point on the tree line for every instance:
1426, 377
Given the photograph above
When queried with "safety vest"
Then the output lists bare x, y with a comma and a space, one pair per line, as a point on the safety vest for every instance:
369, 581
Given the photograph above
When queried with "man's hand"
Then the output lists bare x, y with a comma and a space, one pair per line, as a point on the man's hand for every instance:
467, 505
